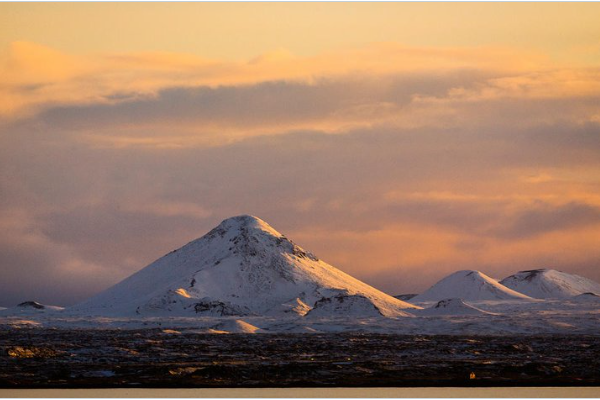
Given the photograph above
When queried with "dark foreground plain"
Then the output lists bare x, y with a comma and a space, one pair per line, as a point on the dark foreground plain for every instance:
55, 358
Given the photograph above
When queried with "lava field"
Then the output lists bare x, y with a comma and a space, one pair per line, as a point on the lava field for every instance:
154, 358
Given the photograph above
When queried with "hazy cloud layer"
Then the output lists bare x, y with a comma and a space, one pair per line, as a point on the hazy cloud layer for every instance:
399, 166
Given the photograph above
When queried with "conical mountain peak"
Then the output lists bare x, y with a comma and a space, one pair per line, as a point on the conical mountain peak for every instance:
241, 267
250, 236
471, 273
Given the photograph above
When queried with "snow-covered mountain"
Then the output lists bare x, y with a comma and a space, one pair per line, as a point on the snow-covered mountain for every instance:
452, 307
241, 267
549, 283
468, 285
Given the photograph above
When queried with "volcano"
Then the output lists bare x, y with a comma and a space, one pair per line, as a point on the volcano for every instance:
550, 283
243, 267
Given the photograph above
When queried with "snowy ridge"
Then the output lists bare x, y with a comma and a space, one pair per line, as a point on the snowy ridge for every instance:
242, 267
468, 285
549, 283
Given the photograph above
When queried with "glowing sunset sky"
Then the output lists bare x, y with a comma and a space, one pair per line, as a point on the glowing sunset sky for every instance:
398, 142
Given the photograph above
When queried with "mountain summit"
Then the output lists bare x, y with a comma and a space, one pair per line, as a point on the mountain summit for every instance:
241, 267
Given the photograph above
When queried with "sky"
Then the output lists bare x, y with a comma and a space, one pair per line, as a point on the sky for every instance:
399, 142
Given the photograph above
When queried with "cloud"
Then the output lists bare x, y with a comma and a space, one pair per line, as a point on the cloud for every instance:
35, 76
543, 218
205, 116
369, 195
239, 112
397, 165
34, 267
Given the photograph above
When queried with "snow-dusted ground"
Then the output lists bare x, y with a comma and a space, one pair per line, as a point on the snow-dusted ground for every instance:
452, 307
575, 316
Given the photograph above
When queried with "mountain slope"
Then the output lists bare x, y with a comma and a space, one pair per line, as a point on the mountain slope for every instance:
241, 267
468, 285
549, 283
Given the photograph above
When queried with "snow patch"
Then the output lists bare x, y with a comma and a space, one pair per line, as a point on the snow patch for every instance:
452, 307
234, 326
182, 292
293, 307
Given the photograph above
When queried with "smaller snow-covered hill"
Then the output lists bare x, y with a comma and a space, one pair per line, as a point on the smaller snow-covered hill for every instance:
587, 298
29, 307
451, 307
550, 284
468, 285
234, 326
406, 297
32, 304
345, 304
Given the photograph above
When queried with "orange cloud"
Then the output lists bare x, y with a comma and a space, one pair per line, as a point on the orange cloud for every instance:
33, 75
123, 100
415, 256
